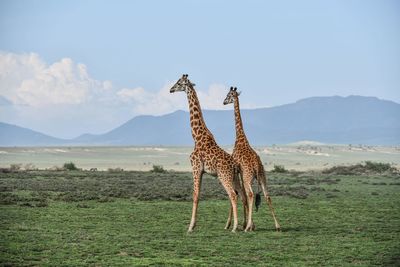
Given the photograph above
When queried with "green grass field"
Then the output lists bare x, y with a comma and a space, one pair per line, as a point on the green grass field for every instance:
82, 218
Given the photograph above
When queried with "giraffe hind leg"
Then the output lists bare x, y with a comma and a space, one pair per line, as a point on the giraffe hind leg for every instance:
271, 208
242, 194
239, 188
247, 179
228, 183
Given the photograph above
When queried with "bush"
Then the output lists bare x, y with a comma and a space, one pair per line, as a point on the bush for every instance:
279, 169
118, 169
30, 167
378, 167
15, 167
57, 168
158, 169
368, 167
70, 166
5, 170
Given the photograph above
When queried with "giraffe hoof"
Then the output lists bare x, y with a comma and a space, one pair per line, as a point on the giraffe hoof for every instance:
278, 229
250, 228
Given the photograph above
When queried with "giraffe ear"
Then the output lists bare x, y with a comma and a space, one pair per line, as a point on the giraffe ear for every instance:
239, 93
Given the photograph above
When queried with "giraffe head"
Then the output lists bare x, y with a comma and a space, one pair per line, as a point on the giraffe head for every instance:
230, 97
183, 84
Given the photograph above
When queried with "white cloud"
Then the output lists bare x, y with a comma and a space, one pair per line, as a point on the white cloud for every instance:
62, 99
152, 103
138, 94
214, 97
27, 80
161, 102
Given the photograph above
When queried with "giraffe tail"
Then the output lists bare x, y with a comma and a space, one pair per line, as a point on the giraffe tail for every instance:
258, 201
237, 179
260, 179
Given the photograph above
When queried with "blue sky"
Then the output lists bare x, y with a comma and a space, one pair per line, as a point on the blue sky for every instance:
70, 67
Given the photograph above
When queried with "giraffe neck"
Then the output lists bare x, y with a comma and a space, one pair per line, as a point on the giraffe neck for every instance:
238, 121
197, 123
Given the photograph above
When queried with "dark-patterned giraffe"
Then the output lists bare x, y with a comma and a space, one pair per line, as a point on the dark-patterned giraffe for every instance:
207, 156
250, 163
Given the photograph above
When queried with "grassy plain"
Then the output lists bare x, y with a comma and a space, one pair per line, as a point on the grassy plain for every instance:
81, 218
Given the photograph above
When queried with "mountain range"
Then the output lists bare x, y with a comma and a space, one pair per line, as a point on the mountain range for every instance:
338, 120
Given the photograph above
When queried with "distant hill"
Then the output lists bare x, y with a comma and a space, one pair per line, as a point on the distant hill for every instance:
169, 129
340, 120
12, 135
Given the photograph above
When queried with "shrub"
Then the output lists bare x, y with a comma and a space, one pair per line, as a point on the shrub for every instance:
378, 167
158, 169
70, 166
5, 170
118, 169
30, 167
15, 167
279, 169
368, 167
57, 168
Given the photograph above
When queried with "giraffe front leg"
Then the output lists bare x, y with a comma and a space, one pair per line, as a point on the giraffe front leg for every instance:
197, 175
229, 221
233, 198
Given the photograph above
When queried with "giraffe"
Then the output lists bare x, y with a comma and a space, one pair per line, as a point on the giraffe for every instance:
250, 163
207, 156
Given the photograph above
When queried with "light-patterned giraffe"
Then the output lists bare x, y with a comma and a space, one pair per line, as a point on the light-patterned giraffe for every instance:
250, 163
207, 156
